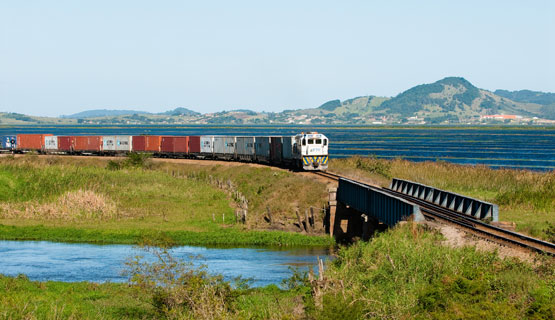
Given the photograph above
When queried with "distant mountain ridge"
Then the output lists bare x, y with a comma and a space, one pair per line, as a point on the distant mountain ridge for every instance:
98, 113
452, 100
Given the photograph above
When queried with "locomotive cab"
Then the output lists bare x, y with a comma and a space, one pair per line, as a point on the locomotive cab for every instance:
311, 150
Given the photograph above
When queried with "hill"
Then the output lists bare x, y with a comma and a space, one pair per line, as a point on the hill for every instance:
452, 100
180, 112
102, 113
543, 98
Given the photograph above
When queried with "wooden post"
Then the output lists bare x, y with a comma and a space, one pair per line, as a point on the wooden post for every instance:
312, 222
306, 222
299, 219
269, 215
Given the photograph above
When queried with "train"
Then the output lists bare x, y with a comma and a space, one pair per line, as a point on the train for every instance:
305, 151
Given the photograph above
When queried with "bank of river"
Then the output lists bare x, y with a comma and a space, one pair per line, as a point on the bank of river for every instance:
71, 262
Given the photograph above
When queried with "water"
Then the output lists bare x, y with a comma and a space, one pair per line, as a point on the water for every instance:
522, 148
44, 261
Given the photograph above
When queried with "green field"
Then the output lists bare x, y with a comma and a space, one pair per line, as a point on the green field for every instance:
81, 200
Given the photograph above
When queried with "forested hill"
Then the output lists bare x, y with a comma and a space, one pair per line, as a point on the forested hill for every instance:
457, 100
528, 96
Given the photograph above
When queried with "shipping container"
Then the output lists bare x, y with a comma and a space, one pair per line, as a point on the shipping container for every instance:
287, 149
262, 148
174, 144
31, 141
116, 143
244, 148
275, 149
224, 147
88, 143
66, 143
8, 142
146, 143
51, 143
206, 145
194, 144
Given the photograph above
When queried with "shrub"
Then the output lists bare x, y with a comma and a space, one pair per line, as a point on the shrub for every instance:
178, 289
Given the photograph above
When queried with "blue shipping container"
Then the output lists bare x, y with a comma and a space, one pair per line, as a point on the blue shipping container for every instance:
9, 142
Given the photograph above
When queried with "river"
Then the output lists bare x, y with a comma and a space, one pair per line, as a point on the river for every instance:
71, 262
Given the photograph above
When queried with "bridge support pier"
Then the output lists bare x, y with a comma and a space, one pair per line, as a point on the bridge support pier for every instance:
346, 223
332, 210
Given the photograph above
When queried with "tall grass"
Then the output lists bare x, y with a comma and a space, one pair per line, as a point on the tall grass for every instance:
406, 273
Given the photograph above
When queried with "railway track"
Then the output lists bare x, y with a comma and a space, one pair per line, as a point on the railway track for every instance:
328, 175
478, 227
468, 223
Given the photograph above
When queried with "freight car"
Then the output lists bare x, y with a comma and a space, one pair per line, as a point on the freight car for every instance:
308, 151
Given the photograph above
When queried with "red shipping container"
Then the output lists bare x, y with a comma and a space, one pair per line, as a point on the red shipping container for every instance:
88, 143
147, 143
174, 144
31, 141
66, 143
194, 144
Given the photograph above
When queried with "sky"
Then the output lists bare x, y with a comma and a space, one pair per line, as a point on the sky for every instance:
62, 57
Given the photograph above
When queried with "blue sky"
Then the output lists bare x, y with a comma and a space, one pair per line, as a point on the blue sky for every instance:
61, 57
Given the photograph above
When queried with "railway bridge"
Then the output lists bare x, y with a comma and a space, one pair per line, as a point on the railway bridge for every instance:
357, 210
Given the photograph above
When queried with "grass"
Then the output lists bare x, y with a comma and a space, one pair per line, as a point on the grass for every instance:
265, 188
403, 273
524, 197
79, 200
24, 299
407, 273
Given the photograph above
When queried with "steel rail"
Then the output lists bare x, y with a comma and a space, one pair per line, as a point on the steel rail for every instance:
514, 238
329, 175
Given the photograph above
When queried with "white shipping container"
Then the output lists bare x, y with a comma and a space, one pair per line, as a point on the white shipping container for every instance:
224, 145
244, 147
117, 143
206, 145
51, 143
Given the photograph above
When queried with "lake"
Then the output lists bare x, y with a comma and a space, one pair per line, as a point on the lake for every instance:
511, 147
72, 262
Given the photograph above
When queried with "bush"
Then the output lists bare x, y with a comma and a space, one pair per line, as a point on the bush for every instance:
178, 289
372, 165
133, 160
